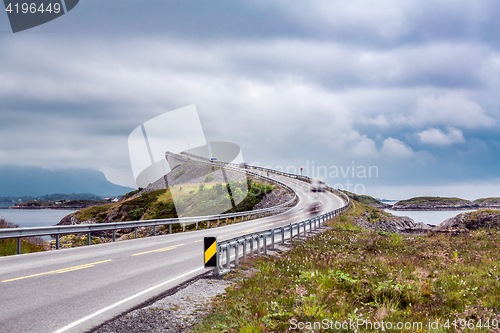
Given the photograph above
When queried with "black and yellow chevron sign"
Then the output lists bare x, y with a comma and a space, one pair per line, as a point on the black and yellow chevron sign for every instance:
210, 251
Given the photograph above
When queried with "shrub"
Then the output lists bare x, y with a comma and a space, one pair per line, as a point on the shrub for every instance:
202, 187
178, 174
208, 178
219, 188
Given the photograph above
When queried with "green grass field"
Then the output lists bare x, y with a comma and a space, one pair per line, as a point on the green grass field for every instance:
348, 274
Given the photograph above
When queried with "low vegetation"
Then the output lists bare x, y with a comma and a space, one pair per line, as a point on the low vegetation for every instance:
9, 246
348, 274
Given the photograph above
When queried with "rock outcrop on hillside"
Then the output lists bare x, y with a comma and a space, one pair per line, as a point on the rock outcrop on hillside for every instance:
482, 218
273, 199
381, 205
385, 222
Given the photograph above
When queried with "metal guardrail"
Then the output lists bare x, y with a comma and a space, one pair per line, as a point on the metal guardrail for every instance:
233, 245
19, 233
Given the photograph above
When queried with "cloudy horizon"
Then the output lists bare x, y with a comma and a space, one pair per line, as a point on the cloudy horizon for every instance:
408, 87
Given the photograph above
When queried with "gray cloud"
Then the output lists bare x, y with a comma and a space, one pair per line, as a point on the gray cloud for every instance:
324, 81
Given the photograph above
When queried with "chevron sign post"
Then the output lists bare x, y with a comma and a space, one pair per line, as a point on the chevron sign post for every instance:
26, 14
210, 245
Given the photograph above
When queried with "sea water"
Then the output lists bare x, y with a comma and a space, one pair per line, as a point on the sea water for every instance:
35, 217
432, 217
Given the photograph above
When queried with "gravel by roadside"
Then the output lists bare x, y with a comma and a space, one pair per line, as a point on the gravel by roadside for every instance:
175, 313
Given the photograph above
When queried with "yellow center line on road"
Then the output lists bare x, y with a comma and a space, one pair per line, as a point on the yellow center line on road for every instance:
199, 240
58, 271
157, 250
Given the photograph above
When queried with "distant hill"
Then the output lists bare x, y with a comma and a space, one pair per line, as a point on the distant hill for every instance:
18, 181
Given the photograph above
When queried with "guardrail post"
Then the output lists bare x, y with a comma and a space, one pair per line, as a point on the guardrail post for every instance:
114, 235
57, 242
88, 238
237, 254
170, 228
217, 258
196, 225
135, 232
208, 224
298, 231
18, 245
228, 257
258, 244
245, 250
154, 230
282, 235
264, 241
251, 246
272, 239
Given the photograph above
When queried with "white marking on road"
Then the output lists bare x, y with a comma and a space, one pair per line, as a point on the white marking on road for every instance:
84, 319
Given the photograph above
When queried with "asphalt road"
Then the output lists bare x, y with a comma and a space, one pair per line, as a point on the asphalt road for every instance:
74, 290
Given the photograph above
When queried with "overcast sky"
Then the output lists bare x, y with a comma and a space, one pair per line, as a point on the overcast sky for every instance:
409, 88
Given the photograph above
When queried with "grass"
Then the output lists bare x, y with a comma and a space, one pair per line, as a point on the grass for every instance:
349, 273
28, 245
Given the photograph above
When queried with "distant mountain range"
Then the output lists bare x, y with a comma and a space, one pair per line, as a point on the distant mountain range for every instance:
18, 181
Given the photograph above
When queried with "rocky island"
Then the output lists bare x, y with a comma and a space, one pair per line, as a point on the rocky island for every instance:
434, 203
